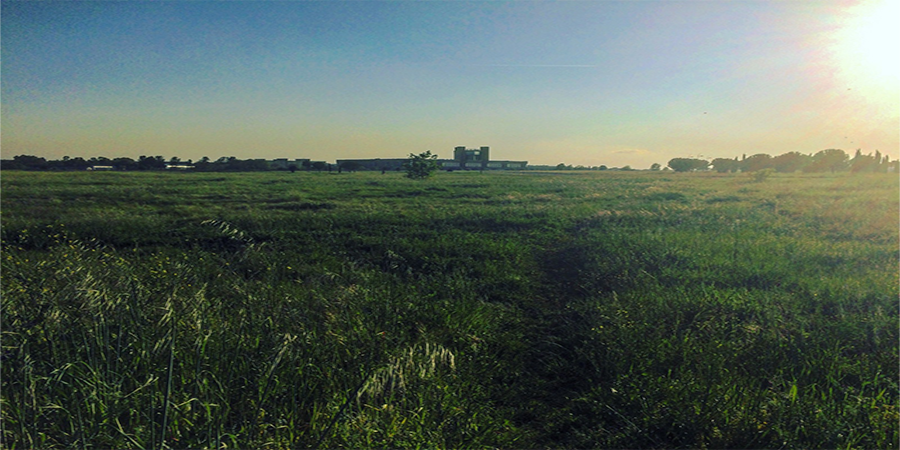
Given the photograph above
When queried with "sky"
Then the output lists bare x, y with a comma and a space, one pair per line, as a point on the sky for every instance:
579, 82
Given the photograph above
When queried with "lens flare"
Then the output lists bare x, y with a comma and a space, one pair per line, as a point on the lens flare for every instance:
868, 47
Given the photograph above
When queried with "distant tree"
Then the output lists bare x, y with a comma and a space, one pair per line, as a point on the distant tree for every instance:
28, 162
351, 166
306, 164
319, 166
688, 164
756, 162
603, 167
655, 166
561, 166
203, 165
123, 163
790, 162
100, 161
864, 163
259, 165
832, 159
880, 163
151, 163
725, 165
67, 163
421, 166
292, 167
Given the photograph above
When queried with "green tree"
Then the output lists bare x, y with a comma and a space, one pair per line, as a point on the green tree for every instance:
203, 164
724, 165
864, 163
28, 162
687, 164
147, 163
832, 159
790, 162
420, 166
120, 163
756, 162
655, 166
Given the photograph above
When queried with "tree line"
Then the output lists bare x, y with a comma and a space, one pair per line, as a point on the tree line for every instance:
829, 160
223, 164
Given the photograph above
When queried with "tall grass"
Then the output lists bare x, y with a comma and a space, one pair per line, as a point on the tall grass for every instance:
489, 310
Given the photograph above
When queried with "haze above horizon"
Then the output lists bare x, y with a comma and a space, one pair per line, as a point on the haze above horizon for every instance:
584, 83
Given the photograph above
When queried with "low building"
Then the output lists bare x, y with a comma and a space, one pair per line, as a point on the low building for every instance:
472, 158
463, 159
478, 159
372, 164
507, 165
285, 164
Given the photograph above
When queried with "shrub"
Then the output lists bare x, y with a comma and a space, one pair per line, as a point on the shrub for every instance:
421, 166
762, 175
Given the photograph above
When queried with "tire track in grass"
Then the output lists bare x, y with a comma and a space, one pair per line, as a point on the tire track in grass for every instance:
553, 371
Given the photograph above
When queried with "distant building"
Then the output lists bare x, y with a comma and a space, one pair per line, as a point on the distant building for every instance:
285, 164
470, 158
463, 159
478, 159
372, 164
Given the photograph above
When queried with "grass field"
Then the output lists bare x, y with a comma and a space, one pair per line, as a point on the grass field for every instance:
512, 310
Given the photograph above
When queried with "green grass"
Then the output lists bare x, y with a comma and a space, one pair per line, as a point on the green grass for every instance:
513, 310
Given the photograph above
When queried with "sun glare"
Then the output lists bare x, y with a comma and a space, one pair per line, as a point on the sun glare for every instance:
869, 46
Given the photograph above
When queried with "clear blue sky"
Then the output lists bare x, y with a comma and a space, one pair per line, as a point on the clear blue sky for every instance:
581, 82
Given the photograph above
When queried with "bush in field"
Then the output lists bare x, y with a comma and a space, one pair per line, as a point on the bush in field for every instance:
421, 166
762, 175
